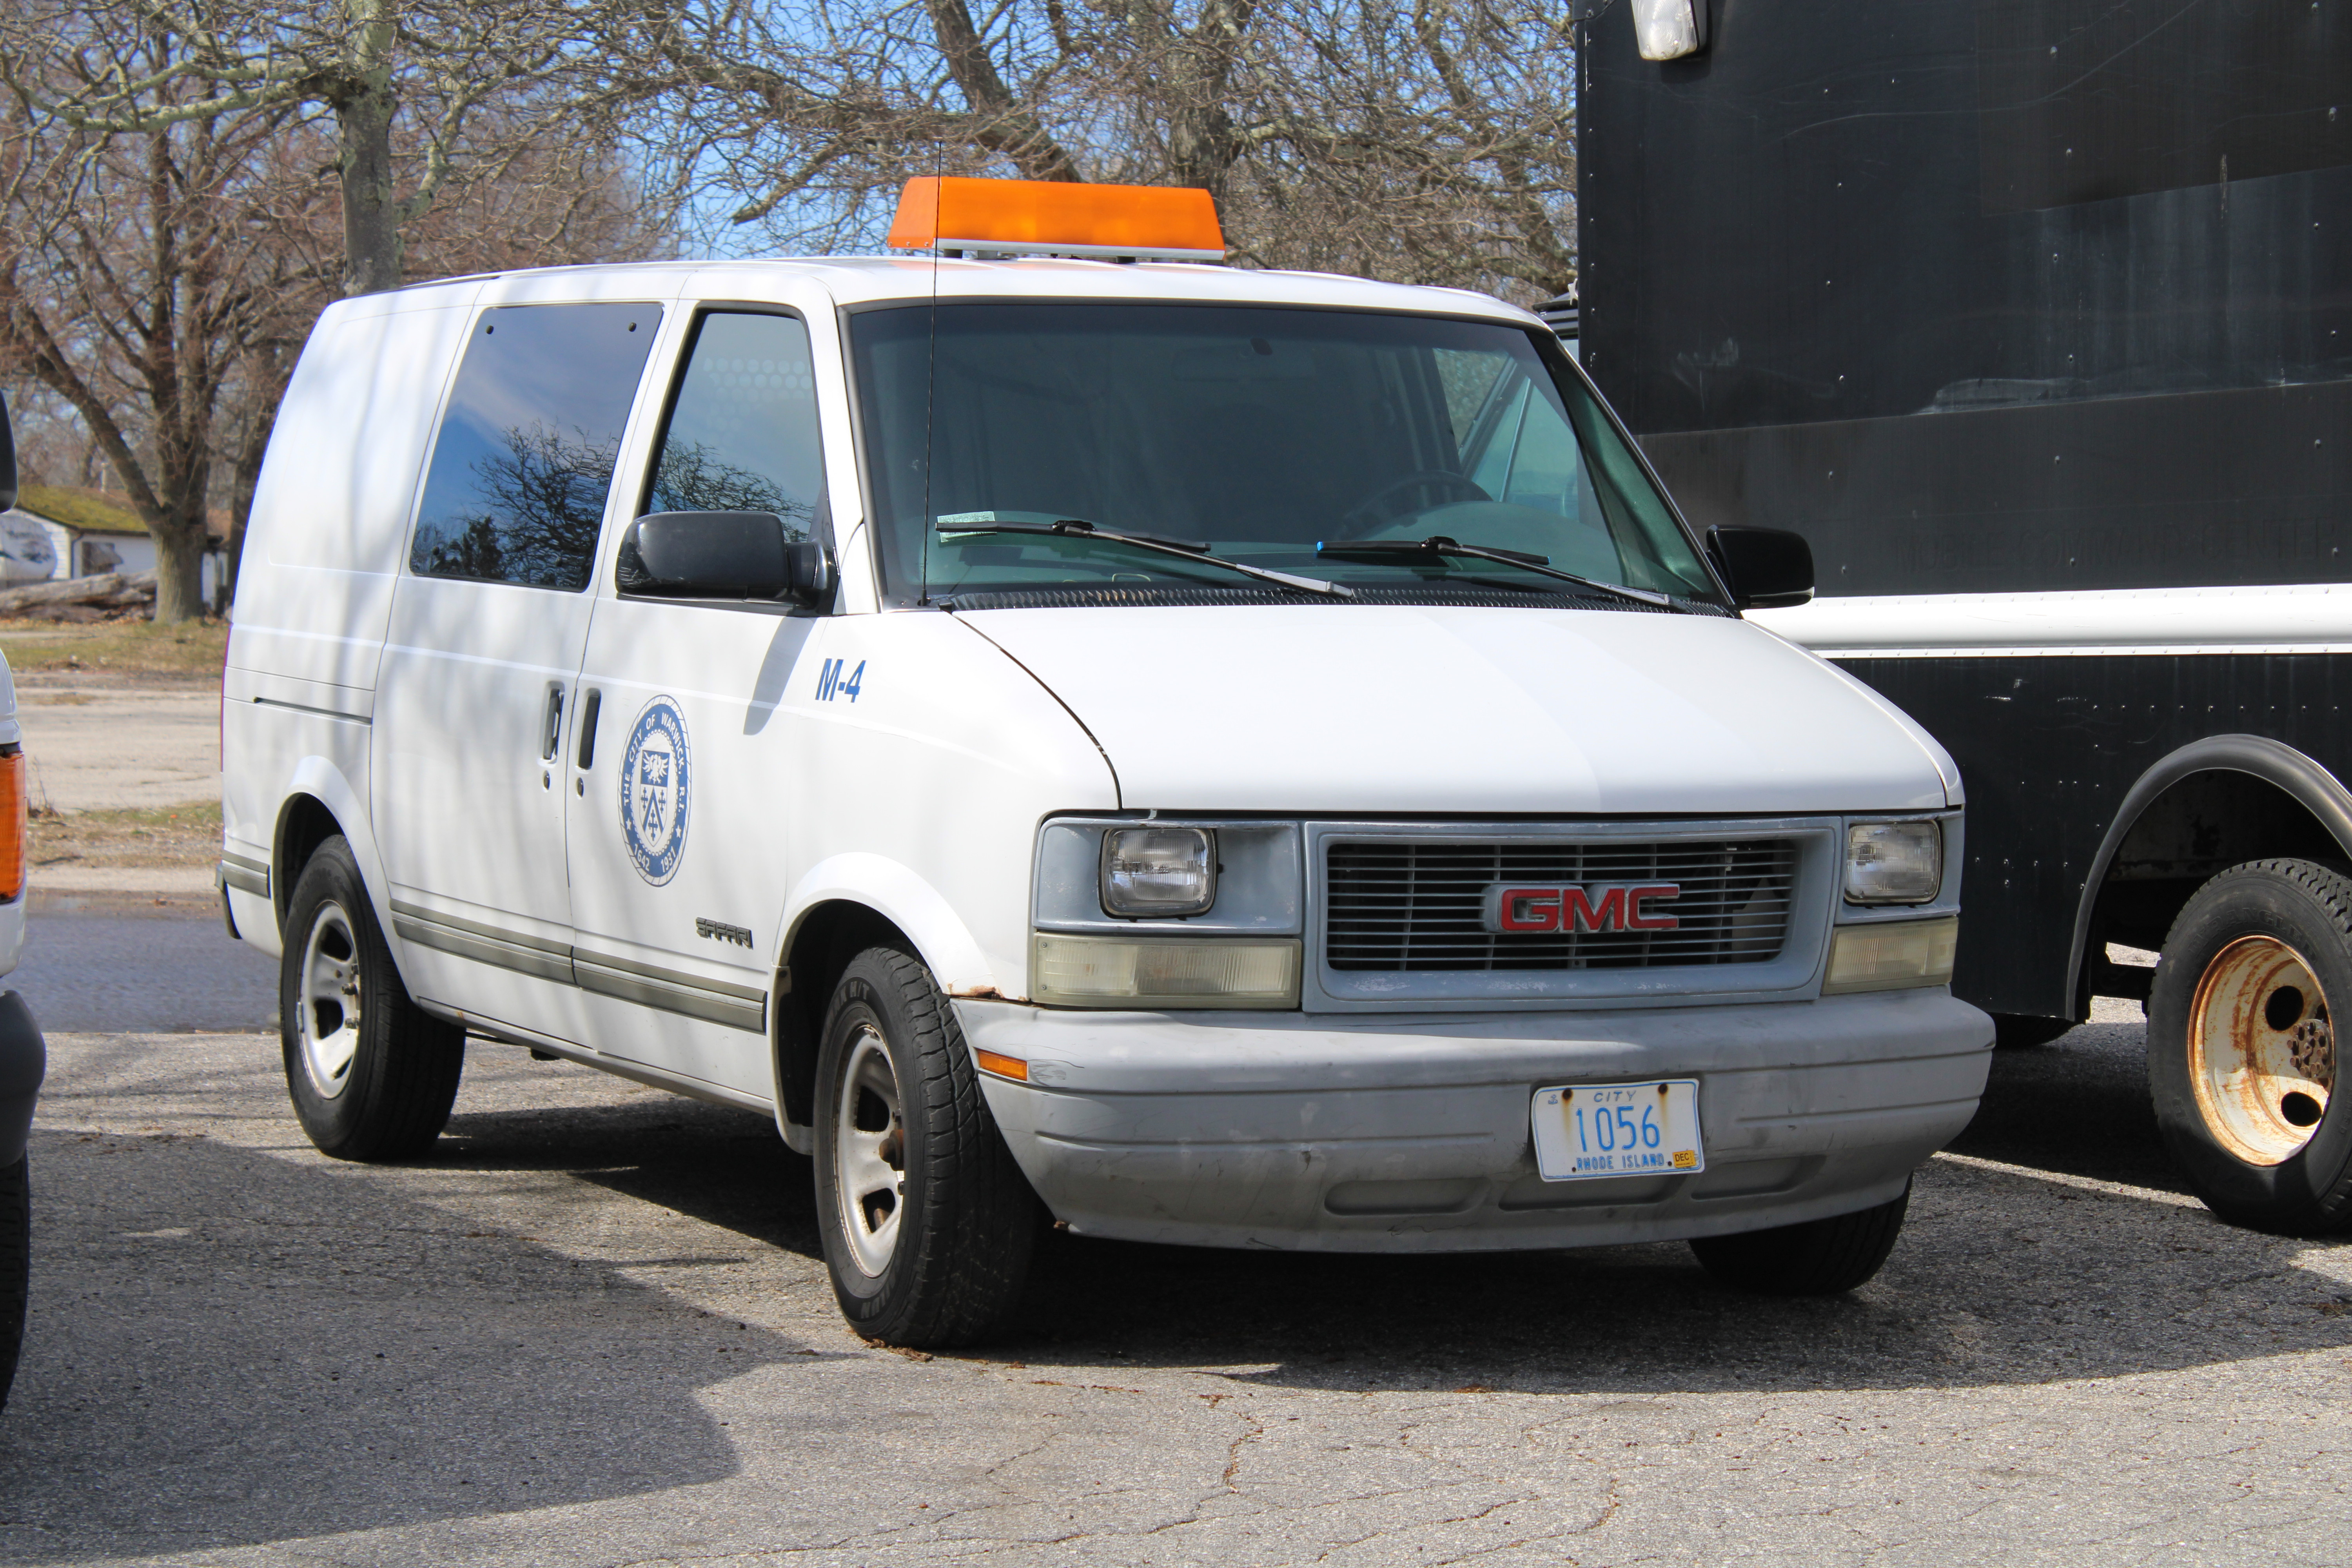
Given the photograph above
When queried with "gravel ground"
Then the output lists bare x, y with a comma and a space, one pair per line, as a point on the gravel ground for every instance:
591, 1328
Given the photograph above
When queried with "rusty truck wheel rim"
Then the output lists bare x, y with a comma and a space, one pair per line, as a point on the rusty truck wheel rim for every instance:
2261, 1050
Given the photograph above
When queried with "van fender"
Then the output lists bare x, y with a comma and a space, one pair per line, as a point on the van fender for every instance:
2273, 762
318, 776
899, 895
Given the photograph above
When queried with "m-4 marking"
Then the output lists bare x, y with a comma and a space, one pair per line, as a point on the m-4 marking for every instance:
830, 683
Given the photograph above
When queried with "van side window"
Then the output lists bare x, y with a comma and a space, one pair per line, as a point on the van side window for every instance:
742, 435
524, 462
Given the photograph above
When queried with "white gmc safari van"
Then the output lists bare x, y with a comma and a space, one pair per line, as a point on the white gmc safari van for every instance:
1207, 756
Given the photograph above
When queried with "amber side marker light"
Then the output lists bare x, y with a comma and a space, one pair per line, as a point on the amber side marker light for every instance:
1003, 1066
12, 823
1055, 217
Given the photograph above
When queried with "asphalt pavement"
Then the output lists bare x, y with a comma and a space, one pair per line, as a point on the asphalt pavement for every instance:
136, 960
593, 1327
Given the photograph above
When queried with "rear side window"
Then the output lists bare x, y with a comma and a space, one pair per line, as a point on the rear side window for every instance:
524, 461
742, 435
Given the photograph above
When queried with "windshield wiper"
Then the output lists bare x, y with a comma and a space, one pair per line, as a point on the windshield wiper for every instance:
1438, 545
1080, 528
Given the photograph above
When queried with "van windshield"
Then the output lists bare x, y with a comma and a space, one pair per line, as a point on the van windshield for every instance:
1273, 436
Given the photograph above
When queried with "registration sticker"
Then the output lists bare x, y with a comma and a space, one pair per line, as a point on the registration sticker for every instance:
1618, 1130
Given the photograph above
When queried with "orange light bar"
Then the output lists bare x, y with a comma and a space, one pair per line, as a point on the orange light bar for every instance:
1003, 1066
1059, 218
12, 826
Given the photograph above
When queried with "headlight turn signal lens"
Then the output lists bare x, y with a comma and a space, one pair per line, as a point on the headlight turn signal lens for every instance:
1892, 955
1894, 862
1164, 972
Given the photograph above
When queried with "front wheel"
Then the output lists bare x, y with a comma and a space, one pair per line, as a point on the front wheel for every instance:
371, 1075
1820, 1258
927, 1222
2241, 1045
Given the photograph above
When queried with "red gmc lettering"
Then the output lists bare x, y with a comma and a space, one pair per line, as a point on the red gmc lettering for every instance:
1635, 897
1529, 909
1578, 912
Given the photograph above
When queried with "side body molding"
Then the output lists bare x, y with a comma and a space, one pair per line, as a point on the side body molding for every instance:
2273, 762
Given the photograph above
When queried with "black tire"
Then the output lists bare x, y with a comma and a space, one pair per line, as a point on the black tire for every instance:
1820, 1258
963, 1221
2239, 1156
2022, 1031
15, 1265
393, 1096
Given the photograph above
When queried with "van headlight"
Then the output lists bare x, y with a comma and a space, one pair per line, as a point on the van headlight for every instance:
1894, 862
1164, 972
1159, 872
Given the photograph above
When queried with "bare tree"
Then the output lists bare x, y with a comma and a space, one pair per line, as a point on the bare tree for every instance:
160, 283
134, 67
1429, 140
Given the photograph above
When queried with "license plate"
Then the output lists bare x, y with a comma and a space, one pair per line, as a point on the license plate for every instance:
1618, 1130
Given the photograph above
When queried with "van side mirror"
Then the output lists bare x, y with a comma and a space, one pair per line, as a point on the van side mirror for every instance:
721, 555
1767, 568
7, 459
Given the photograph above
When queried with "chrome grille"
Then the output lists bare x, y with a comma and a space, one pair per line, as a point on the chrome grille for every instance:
1403, 904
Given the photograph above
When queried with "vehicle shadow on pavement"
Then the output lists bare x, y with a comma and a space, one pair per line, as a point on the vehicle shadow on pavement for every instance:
2079, 1105
277, 1348
720, 1165
2001, 1277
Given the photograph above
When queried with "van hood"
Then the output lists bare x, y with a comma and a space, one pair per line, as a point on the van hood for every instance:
1322, 709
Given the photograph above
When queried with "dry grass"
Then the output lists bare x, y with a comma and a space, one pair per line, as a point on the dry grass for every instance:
144, 836
124, 648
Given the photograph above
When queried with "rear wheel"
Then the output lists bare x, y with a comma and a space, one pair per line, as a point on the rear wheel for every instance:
927, 1222
2242, 1046
1820, 1258
371, 1075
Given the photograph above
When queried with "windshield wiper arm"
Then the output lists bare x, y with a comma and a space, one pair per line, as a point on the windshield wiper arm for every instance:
1437, 544
1080, 528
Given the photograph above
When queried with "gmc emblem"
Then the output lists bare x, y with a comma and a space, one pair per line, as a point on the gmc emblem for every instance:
1513, 909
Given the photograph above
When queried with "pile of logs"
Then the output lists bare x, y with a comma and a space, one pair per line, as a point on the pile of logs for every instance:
98, 598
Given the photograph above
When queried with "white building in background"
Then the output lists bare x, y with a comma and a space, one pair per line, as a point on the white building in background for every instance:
36, 549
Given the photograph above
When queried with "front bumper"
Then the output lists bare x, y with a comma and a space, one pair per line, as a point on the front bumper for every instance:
1379, 1134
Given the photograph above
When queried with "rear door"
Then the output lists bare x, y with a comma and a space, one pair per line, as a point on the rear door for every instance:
487, 625
683, 773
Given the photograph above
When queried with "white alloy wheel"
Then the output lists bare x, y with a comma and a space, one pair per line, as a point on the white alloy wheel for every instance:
869, 1154
328, 1023
2262, 1049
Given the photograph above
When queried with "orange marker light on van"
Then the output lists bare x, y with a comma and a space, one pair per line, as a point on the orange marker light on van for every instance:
12, 825
1003, 1066
1059, 219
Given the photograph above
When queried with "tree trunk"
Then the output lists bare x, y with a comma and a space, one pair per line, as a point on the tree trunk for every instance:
179, 572
363, 111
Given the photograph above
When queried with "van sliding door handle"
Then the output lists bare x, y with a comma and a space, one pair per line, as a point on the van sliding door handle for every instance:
554, 736
590, 706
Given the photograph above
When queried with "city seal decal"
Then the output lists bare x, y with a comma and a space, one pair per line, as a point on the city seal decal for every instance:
656, 781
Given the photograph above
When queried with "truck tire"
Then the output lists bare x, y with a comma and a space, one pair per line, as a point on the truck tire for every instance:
927, 1222
15, 1265
1820, 1258
2242, 1048
371, 1074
